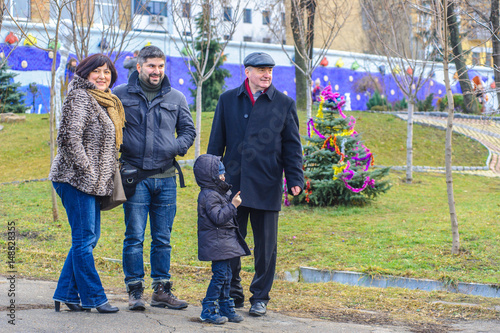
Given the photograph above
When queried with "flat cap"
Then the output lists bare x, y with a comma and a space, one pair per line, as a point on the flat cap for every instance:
258, 59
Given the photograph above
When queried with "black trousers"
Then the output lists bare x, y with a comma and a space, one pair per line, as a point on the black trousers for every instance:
265, 234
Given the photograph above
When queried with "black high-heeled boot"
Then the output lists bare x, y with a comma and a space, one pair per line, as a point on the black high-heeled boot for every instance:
71, 307
107, 308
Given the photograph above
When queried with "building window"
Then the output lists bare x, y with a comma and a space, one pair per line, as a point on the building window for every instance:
145, 7
283, 19
266, 19
18, 8
65, 13
186, 33
266, 40
105, 13
247, 38
186, 10
227, 37
247, 16
476, 58
228, 14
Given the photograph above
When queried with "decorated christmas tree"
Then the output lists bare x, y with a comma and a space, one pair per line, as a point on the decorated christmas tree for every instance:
337, 165
11, 99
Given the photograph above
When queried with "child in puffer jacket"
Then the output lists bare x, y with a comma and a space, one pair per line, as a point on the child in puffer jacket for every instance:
219, 239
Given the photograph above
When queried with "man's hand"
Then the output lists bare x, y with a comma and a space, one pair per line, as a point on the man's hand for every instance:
296, 190
236, 200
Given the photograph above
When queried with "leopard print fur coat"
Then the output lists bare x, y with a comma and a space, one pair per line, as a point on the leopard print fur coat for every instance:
86, 156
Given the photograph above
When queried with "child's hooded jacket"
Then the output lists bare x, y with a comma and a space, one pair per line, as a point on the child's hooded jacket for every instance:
218, 234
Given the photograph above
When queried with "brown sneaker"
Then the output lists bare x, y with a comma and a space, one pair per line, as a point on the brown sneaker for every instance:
163, 297
135, 297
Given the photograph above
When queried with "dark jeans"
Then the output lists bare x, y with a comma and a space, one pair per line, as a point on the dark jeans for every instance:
219, 286
265, 234
79, 280
155, 197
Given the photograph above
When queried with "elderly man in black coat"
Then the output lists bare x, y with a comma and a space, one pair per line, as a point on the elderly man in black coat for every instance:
256, 130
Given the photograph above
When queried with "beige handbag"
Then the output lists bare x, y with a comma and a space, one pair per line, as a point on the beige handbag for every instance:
118, 196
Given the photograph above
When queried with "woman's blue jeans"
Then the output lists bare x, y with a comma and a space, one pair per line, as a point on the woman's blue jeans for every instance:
155, 197
220, 284
79, 281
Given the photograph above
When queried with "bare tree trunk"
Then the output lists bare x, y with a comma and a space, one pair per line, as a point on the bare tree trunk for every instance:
409, 142
309, 98
448, 144
53, 92
301, 87
495, 25
197, 144
456, 44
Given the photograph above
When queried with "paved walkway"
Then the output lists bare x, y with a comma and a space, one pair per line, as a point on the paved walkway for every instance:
485, 130
33, 312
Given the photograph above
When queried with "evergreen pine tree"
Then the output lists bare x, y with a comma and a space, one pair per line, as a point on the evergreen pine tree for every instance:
11, 99
336, 163
214, 85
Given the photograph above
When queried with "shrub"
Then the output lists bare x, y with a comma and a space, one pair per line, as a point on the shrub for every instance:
458, 100
377, 100
401, 105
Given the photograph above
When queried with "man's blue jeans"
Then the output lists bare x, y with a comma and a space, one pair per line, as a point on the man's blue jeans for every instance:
79, 280
156, 197
220, 284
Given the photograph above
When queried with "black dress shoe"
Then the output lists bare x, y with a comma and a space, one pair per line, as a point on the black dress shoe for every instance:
258, 309
107, 308
71, 307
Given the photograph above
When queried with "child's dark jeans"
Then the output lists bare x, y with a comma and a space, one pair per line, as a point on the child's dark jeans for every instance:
220, 285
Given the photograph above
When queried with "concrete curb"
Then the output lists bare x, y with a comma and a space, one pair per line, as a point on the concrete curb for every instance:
313, 275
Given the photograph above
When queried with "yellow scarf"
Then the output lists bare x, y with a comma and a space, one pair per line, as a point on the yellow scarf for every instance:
115, 111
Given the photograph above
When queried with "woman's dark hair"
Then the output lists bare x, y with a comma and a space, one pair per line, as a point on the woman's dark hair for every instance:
87, 65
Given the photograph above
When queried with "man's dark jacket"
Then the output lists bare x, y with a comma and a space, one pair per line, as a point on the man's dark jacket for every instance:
218, 235
257, 143
149, 137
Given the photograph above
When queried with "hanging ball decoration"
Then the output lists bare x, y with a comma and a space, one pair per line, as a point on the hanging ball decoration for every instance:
339, 63
455, 76
285, 92
383, 96
351, 78
294, 80
336, 87
439, 91
147, 44
24, 64
431, 83
51, 45
51, 55
358, 97
11, 38
413, 86
181, 81
30, 40
325, 78
324, 62
392, 92
381, 69
493, 85
355, 65
396, 70
2, 55
409, 70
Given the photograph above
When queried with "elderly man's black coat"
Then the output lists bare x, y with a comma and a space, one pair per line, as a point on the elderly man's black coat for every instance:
257, 143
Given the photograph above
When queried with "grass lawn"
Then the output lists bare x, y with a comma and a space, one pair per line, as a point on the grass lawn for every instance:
405, 232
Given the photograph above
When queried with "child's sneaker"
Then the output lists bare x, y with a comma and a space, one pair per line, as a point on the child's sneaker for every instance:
227, 310
210, 313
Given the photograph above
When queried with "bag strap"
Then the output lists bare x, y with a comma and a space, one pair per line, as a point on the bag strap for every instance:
181, 176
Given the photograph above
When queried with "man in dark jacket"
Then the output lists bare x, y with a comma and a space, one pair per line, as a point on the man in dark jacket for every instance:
256, 130
155, 113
